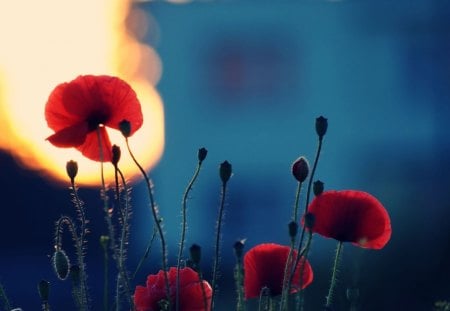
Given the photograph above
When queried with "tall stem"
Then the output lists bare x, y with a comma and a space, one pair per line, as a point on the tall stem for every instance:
217, 245
156, 220
183, 231
334, 274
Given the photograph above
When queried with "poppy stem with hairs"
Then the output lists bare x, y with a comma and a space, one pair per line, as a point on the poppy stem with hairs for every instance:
156, 219
201, 156
225, 172
337, 258
110, 226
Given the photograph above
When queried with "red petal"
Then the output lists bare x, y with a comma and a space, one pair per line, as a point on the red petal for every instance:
264, 266
72, 136
191, 297
142, 299
91, 147
351, 216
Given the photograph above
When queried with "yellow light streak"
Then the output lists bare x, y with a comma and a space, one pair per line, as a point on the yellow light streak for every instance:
46, 42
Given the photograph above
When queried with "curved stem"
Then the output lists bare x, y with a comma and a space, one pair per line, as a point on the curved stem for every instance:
183, 232
146, 254
217, 245
156, 221
334, 274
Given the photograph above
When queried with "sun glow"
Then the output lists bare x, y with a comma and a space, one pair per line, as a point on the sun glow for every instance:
47, 42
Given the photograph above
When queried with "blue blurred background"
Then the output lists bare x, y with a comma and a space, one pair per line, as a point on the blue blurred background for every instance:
246, 80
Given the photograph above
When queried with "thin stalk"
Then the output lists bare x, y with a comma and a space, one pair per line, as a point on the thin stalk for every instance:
239, 279
4, 298
183, 232
156, 220
146, 253
217, 245
80, 244
105, 277
287, 279
110, 226
297, 199
334, 274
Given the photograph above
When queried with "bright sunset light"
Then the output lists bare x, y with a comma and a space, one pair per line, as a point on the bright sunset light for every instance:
47, 42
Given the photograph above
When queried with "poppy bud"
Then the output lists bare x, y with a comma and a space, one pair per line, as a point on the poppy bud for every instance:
309, 220
293, 229
43, 289
72, 169
318, 187
300, 169
202, 152
125, 128
61, 264
225, 171
196, 254
321, 126
239, 248
115, 155
104, 240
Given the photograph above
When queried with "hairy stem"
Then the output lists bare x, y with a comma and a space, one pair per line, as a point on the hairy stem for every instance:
334, 275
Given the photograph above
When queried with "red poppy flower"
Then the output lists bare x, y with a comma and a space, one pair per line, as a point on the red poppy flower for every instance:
76, 109
264, 266
351, 216
146, 298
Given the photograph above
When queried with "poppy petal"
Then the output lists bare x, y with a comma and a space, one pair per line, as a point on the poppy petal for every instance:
90, 147
351, 216
264, 266
142, 299
72, 136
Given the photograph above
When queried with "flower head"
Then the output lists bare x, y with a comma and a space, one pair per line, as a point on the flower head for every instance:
76, 110
264, 266
351, 216
147, 298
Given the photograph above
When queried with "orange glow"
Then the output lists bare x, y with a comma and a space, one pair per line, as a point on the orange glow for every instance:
46, 42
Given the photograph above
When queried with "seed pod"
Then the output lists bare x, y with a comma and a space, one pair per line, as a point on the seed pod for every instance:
300, 169
225, 171
61, 264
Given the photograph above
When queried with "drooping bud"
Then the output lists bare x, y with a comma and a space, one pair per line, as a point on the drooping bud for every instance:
239, 248
309, 220
116, 153
293, 229
225, 171
318, 187
125, 128
300, 169
61, 264
43, 290
321, 126
72, 170
202, 152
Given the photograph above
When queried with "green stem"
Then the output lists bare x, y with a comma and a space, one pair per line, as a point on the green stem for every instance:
217, 245
286, 278
334, 274
4, 298
156, 220
80, 244
183, 231
297, 199
146, 253
239, 279
105, 278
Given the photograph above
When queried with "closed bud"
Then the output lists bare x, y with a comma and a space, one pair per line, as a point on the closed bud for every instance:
61, 264
195, 253
225, 171
309, 220
239, 248
293, 229
318, 187
43, 289
321, 126
300, 169
202, 152
116, 153
125, 128
72, 170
